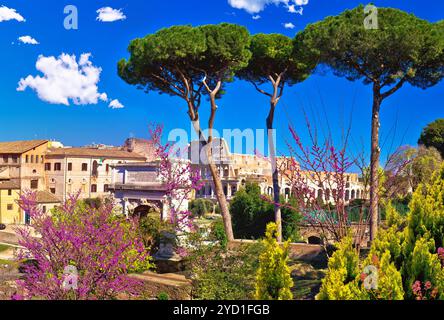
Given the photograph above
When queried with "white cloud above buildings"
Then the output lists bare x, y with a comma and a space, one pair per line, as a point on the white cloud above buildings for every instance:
65, 80
289, 25
7, 14
28, 40
115, 104
256, 6
108, 14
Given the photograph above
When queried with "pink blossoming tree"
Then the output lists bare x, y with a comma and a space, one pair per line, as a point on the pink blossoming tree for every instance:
180, 179
97, 248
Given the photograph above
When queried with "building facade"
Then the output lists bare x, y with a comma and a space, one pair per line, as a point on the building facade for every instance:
23, 162
236, 170
140, 189
10, 212
85, 170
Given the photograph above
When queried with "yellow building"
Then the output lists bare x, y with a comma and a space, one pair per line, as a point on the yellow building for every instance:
10, 212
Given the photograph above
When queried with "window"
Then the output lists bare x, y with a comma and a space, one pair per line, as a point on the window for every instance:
57, 166
47, 166
52, 190
69, 166
36, 159
27, 159
44, 209
95, 169
84, 167
93, 188
107, 168
5, 159
105, 188
34, 184
10, 207
42, 159
9, 192
32, 158
14, 159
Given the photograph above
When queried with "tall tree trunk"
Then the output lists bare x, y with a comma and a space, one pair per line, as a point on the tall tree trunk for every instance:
374, 163
218, 189
274, 169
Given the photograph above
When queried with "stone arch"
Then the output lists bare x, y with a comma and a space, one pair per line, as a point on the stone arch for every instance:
143, 210
314, 239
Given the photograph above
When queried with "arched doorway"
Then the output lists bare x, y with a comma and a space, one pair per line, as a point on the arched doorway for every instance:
314, 240
143, 210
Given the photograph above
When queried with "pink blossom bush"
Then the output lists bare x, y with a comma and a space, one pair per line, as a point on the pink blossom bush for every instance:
424, 291
180, 179
101, 248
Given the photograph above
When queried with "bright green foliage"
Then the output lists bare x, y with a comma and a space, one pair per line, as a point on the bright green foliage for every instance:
392, 216
273, 54
343, 269
401, 257
389, 280
424, 235
402, 48
433, 134
388, 240
273, 280
423, 265
385, 255
427, 211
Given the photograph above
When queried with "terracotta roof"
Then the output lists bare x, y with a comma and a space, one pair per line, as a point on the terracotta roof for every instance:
46, 197
8, 184
19, 147
94, 152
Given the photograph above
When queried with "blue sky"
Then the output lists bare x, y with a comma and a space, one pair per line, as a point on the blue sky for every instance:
26, 116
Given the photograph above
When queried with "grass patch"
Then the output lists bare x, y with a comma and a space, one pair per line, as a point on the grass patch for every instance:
307, 280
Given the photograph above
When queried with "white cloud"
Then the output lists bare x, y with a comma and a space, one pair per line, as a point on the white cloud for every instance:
28, 40
256, 6
108, 14
256, 17
65, 80
115, 104
292, 9
289, 25
7, 14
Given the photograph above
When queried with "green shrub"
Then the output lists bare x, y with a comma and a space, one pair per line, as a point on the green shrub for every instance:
424, 235
251, 213
273, 280
151, 228
218, 233
200, 207
163, 296
221, 274
343, 269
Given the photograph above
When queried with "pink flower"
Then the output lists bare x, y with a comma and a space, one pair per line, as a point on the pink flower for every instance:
428, 285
